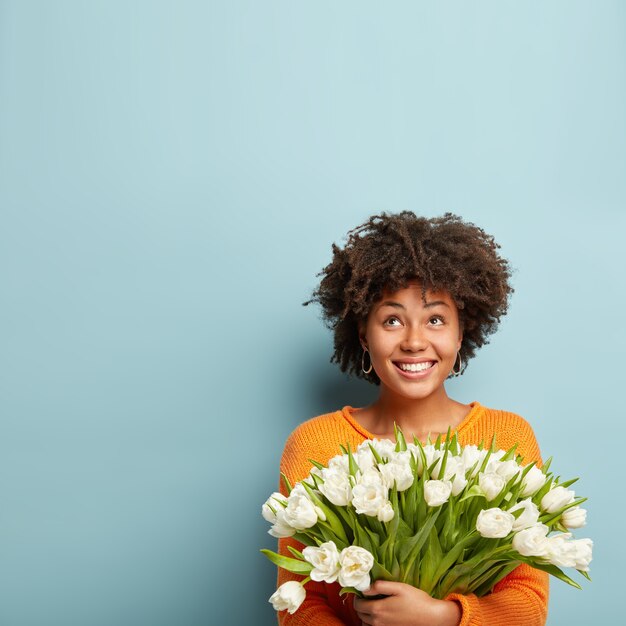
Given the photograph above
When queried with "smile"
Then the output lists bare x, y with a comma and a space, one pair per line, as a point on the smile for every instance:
415, 367
416, 371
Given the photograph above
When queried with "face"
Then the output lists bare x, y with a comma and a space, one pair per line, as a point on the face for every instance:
413, 344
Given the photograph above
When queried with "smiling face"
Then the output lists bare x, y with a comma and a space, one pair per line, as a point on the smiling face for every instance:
413, 344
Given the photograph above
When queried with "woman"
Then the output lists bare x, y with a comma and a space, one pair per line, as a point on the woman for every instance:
409, 300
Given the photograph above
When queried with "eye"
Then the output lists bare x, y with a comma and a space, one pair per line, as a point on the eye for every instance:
437, 319
388, 321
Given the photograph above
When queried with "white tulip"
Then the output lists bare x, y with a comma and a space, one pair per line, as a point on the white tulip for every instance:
455, 467
340, 462
280, 527
336, 486
289, 596
534, 480
431, 453
436, 492
574, 517
386, 512
472, 457
371, 477
494, 523
583, 554
301, 513
397, 472
365, 459
274, 502
528, 518
532, 541
561, 550
497, 455
556, 499
325, 562
507, 469
385, 447
356, 563
369, 494
491, 484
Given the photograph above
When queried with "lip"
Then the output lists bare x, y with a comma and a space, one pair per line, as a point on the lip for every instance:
415, 375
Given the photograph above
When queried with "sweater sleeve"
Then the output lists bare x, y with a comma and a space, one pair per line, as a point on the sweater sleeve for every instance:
322, 606
521, 598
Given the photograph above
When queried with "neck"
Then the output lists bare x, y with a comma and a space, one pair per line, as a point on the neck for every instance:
418, 417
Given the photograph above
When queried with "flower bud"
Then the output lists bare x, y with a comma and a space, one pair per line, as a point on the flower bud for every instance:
289, 596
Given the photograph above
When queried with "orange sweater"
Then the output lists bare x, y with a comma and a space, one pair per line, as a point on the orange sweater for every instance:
520, 599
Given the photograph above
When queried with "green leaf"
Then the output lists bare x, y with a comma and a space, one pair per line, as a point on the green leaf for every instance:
287, 483
567, 483
414, 544
307, 540
378, 572
549, 518
361, 537
473, 492
318, 465
557, 573
291, 565
377, 456
352, 464
510, 454
400, 440
425, 474
453, 555
344, 590
430, 562
542, 492
331, 517
546, 466
296, 553
444, 460
493, 576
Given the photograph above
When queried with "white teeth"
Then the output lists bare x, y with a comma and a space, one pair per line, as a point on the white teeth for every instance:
415, 367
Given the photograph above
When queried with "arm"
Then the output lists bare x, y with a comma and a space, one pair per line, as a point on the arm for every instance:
322, 606
521, 598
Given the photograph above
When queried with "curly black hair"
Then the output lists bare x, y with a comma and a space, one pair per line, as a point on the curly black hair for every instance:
389, 250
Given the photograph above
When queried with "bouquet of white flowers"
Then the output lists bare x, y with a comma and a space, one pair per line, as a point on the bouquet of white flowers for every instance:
442, 517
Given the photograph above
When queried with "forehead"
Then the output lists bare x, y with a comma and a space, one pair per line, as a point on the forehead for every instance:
413, 291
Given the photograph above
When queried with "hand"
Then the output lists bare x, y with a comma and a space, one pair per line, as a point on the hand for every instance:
405, 606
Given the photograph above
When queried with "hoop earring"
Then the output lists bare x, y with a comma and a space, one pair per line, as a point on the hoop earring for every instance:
365, 371
458, 372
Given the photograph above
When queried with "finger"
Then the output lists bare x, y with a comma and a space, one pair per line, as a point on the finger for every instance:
362, 607
384, 588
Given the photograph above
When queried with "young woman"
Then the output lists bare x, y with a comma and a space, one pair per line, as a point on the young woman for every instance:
410, 300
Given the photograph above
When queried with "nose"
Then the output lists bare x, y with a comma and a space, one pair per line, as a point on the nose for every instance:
414, 338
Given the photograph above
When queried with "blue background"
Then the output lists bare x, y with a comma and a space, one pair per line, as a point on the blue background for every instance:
172, 176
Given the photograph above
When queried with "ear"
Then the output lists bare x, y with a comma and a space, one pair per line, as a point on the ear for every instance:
362, 337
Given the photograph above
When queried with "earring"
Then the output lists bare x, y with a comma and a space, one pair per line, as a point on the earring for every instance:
457, 372
365, 371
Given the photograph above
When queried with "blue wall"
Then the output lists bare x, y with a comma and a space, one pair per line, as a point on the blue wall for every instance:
172, 176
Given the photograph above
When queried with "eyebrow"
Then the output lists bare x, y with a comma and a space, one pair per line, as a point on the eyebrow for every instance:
397, 305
